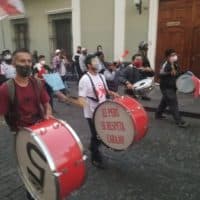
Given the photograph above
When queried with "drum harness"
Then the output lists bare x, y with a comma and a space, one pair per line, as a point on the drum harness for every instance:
94, 89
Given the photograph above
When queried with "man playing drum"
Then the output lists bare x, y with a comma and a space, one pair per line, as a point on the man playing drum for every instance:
23, 100
169, 73
134, 73
93, 90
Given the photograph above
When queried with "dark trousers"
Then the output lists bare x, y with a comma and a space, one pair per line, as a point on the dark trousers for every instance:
94, 142
169, 99
50, 93
28, 196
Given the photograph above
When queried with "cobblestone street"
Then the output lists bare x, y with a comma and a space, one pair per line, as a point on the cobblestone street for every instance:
163, 166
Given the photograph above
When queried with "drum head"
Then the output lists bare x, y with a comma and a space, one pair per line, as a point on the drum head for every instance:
114, 125
34, 167
143, 84
185, 84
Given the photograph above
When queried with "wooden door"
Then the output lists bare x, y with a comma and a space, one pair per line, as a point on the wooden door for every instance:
63, 35
178, 28
195, 47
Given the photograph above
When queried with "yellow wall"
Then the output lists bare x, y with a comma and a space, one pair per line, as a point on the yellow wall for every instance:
36, 13
97, 25
136, 26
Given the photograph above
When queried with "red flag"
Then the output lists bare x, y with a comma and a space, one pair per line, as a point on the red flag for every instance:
197, 86
126, 52
11, 7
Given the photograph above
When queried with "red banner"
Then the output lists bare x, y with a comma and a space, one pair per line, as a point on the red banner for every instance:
11, 7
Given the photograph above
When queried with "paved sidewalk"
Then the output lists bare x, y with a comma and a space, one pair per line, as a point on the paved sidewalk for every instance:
188, 105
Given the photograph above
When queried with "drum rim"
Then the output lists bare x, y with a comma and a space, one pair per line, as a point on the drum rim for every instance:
116, 150
149, 80
49, 158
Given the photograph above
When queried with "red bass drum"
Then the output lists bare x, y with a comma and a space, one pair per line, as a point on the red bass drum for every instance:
50, 159
120, 122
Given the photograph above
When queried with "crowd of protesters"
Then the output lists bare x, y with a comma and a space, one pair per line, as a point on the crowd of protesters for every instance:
116, 73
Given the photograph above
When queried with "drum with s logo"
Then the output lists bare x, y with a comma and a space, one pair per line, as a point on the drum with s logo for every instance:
50, 159
120, 122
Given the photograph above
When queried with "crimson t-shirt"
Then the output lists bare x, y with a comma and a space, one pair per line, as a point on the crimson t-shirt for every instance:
27, 102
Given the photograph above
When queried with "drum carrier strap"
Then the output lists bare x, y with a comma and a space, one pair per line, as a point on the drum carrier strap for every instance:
94, 89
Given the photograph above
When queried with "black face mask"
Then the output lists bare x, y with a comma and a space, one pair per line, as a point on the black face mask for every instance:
23, 71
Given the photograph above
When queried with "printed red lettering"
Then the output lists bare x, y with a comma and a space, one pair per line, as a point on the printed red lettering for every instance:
115, 139
110, 112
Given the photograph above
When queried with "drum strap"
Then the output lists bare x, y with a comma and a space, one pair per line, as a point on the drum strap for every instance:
12, 116
94, 89
107, 94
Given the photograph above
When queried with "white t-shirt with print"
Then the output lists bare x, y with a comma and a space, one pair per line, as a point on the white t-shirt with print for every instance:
8, 70
86, 90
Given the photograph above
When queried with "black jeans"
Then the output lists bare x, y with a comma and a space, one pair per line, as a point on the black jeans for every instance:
28, 196
169, 99
94, 142
50, 93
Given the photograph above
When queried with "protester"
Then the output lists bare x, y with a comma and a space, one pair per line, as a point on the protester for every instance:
169, 72
7, 68
24, 110
82, 60
93, 90
76, 61
41, 68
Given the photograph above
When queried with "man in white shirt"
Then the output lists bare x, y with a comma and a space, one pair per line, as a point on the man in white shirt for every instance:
6, 66
93, 90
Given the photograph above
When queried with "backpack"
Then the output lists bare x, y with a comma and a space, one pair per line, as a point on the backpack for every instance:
12, 117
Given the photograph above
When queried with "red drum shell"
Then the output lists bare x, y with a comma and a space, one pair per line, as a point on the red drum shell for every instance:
65, 150
139, 116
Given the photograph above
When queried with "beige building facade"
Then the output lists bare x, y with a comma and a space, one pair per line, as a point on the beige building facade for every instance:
48, 24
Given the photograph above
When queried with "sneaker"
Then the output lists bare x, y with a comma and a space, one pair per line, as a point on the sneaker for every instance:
182, 124
28, 196
157, 116
98, 164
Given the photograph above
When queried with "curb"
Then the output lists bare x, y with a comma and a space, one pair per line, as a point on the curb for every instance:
183, 113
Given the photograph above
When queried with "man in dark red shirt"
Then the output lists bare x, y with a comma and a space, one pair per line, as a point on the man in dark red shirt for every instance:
31, 101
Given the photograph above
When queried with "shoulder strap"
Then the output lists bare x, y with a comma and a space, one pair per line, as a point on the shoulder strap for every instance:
107, 94
94, 89
11, 90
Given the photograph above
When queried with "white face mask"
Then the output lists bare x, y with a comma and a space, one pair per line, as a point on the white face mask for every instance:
42, 62
95, 63
173, 59
7, 57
